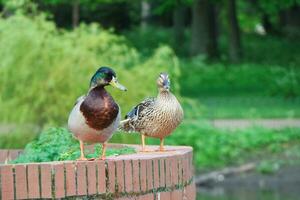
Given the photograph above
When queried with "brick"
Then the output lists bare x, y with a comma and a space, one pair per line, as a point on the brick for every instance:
92, 179
3, 156
12, 154
177, 195
59, 180
21, 181
136, 175
126, 198
174, 170
70, 179
164, 196
189, 192
120, 175
143, 175
185, 169
81, 179
191, 165
155, 173
7, 182
101, 177
168, 171
111, 167
180, 170
146, 197
149, 175
46, 180
33, 181
162, 173
188, 166
128, 174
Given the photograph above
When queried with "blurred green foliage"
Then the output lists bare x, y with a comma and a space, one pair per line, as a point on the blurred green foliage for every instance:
17, 139
56, 144
49, 68
247, 79
44, 69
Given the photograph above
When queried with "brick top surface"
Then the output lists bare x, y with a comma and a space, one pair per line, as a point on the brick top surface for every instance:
152, 154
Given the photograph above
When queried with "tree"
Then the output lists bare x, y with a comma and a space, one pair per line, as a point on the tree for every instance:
235, 48
179, 13
75, 13
204, 33
76, 4
288, 12
145, 13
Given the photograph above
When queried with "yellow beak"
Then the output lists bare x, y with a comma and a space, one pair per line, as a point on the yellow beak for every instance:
114, 82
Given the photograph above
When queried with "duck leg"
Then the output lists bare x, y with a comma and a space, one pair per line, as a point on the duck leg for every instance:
82, 156
143, 143
161, 146
103, 151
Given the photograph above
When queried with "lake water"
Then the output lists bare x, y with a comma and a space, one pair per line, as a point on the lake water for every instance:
238, 193
284, 185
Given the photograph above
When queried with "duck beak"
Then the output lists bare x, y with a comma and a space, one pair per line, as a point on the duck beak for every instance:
114, 82
166, 84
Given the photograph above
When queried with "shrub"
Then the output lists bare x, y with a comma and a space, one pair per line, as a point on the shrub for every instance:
56, 144
44, 69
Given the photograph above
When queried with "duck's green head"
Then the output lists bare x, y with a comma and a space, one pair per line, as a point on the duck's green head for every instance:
105, 76
163, 82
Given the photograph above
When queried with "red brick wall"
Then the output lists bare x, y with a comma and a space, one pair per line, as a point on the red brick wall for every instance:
147, 176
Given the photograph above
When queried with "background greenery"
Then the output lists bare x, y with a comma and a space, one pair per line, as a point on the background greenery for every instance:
47, 59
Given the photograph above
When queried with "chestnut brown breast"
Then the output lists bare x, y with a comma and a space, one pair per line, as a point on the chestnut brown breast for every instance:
99, 108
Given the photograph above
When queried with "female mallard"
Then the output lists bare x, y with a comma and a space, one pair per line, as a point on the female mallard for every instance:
96, 116
155, 117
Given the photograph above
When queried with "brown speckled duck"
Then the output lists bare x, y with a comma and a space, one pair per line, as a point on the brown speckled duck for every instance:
155, 117
96, 116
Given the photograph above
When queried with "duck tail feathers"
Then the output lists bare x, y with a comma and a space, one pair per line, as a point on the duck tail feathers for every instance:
126, 125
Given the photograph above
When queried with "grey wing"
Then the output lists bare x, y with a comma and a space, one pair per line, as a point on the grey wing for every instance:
134, 113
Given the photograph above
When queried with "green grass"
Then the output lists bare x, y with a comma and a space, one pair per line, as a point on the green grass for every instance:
241, 107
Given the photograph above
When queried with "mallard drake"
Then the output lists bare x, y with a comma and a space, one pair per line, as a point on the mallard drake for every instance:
96, 116
155, 117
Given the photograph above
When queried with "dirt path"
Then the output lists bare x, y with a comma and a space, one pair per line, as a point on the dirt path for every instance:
242, 123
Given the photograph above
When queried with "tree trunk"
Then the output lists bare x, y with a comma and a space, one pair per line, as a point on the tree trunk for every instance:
267, 24
293, 16
75, 13
145, 13
212, 47
199, 36
178, 26
291, 21
204, 35
235, 49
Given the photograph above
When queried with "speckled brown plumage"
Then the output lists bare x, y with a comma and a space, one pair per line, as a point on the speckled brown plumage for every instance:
155, 117
99, 108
